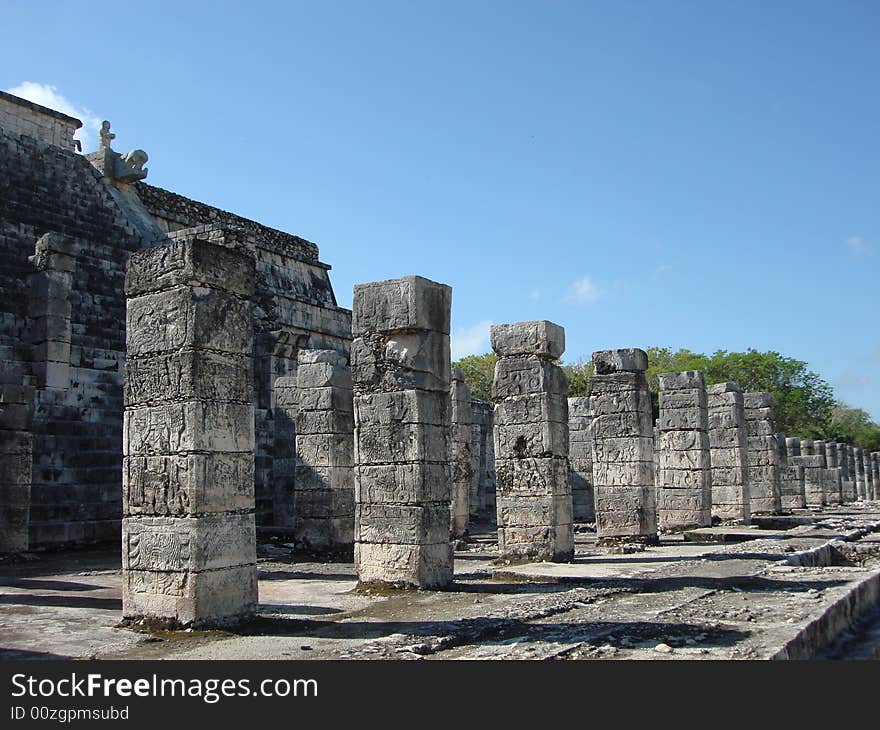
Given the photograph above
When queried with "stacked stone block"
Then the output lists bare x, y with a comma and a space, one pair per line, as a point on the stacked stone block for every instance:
464, 460
814, 473
323, 485
684, 479
580, 458
401, 371
791, 475
833, 475
483, 498
189, 544
533, 500
729, 453
848, 487
763, 453
859, 472
622, 438
870, 486
875, 472
285, 403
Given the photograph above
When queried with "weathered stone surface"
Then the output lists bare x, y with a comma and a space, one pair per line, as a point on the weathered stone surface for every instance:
541, 338
580, 457
483, 494
531, 443
464, 462
684, 469
189, 536
763, 454
323, 511
622, 439
402, 414
395, 305
792, 483
632, 360
728, 452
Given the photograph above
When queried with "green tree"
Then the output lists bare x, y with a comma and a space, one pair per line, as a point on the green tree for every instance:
578, 375
853, 426
478, 373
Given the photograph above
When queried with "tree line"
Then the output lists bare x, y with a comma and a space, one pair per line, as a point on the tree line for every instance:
805, 403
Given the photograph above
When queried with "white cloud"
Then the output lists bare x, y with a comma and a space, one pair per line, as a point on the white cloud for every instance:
472, 340
535, 295
858, 245
583, 291
48, 96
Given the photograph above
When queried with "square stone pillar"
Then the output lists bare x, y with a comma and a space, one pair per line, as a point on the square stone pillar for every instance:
875, 472
401, 372
814, 473
870, 487
463, 459
833, 478
188, 537
684, 479
622, 434
792, 487
323, 487
859, 472
763, 454
580, 459
531, 443
848, 486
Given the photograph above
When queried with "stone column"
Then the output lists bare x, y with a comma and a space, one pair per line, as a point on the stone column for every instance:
791, 475
483, 486
763, 454
462, 457
51, 330
859, 471
729, 454
284, 403
323, 486
531, 443
400, 370
580, 459
870, 491
622, 437
834, 485
685, 470
16, 417
814, 477
188, 536
875, 472
847, 484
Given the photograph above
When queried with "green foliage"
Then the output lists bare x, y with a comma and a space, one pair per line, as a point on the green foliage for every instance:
478, 373
853, 426
578, 375
804, 401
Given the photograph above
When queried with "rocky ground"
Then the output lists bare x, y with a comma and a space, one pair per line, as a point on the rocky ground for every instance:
807, 587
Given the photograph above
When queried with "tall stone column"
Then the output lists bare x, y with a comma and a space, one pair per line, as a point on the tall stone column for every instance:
685, 470
729, 454
791, 475
847, 484
859, 471
284, 403
814, 473
323, 487
483, 500
623, 444
875, 472
531, 443
763, 454
870, 490
188, 536
580, 459
834, 480
400, 371
463, 460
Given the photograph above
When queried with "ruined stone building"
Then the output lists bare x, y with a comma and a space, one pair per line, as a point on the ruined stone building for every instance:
68, 225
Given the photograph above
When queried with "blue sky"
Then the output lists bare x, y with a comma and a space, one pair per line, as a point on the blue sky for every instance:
687, 174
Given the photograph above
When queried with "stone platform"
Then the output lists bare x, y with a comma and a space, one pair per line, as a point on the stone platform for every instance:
782, 594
